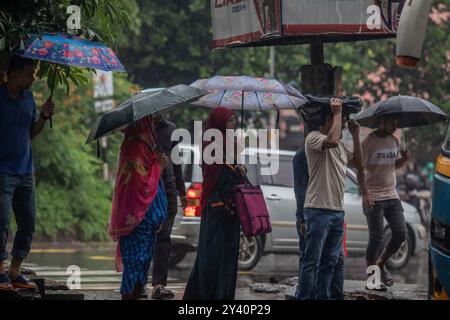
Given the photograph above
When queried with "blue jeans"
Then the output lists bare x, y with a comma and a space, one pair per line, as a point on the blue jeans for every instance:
324, 235
337, 283
17, 194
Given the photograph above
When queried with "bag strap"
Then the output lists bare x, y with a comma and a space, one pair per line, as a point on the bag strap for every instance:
245, 178
247, 181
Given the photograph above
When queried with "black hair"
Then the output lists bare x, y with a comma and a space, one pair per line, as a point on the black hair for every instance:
17, 63
386, 117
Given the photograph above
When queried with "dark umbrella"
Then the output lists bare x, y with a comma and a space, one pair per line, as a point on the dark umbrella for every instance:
141, 105
313, 110
410, 112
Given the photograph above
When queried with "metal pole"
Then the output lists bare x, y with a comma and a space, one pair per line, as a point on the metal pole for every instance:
273, 118
317, 53
105, 163
272, 61
242, 111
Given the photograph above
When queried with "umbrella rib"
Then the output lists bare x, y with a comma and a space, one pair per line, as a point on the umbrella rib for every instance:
102, 60
224, 91
257, 99
293, 105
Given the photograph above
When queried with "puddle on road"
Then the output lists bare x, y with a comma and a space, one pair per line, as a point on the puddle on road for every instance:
97, 262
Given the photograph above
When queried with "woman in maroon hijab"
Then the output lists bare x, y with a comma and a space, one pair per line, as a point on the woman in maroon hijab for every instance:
215, 270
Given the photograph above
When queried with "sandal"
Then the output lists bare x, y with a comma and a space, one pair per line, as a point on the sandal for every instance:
22, 282
5, 283
386, 277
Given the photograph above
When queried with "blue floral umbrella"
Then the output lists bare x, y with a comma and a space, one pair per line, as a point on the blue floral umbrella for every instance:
60, 48
71, 51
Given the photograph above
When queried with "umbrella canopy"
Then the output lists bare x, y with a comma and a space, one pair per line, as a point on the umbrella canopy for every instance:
313, 110
70, 50
141, 105
248, 93
60, 48
410, 112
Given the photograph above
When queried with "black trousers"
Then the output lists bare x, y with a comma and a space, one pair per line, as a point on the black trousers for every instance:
163, 244
392, 210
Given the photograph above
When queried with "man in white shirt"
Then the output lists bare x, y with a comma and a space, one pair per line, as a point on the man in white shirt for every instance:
324, 205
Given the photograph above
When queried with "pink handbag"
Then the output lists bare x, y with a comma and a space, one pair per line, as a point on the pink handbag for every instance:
252, 210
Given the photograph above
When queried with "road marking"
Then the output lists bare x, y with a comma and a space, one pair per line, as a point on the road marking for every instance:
357, 227
54, 250
246, 273
102, 258
286, 224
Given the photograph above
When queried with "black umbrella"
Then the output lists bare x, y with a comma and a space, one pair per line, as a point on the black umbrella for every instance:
314, 109
141, 105
410, 112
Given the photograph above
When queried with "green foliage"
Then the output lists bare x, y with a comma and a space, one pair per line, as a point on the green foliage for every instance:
73, 201
101, 20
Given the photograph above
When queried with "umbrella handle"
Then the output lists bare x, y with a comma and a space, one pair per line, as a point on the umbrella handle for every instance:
51, 93
404, 140
242, 111
277, 124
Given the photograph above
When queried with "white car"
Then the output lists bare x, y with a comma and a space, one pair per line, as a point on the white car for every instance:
280, 199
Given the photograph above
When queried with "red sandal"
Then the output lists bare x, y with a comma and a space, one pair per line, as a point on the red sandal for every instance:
5, 283
22, 282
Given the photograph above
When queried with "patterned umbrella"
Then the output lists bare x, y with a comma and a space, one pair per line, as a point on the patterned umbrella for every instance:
71, 51
60, 48
248, 93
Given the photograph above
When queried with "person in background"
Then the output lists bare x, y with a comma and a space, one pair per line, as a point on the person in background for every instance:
380, 197
19, 124
173, 186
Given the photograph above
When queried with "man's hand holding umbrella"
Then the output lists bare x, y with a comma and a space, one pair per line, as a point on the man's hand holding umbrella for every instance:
406, 157
47, 110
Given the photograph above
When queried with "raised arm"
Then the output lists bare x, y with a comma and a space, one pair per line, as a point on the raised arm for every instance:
334, 135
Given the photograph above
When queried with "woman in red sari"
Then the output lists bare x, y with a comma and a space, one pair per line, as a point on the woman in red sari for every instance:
215, 270
139, 206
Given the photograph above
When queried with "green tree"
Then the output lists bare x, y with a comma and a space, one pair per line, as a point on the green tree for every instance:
101, 20
73, 201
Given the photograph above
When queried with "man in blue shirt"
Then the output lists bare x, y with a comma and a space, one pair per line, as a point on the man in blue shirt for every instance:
19, 124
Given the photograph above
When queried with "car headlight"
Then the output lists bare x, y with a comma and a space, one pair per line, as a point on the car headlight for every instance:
440, 235
438, 231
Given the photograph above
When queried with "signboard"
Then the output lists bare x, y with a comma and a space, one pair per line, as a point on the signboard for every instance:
103, 88
274, 22
103, 84
104, 105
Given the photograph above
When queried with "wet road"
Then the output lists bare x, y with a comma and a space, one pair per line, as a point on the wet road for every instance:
97, 265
